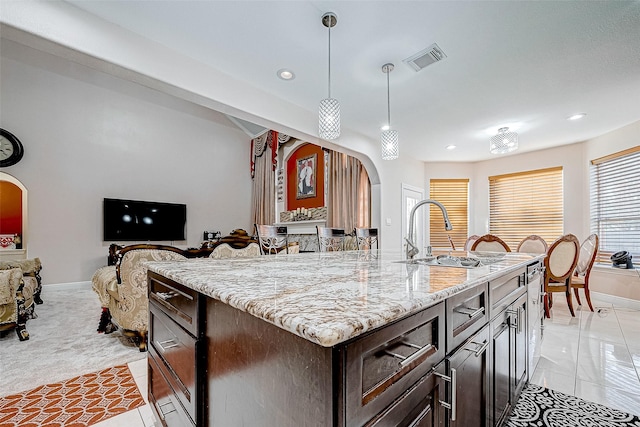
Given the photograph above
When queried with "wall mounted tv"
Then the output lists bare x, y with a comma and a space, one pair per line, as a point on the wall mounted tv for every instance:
135, 220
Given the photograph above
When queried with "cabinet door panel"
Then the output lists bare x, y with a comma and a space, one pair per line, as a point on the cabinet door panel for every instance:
519, 331
501, 399
470, 363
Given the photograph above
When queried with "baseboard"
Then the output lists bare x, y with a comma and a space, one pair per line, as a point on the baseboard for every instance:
67, 286
616, 300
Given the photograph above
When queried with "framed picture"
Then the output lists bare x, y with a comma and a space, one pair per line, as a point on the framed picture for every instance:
306, 174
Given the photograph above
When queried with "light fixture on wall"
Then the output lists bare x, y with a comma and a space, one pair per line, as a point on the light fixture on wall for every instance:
389, 137
503, 142
329, 110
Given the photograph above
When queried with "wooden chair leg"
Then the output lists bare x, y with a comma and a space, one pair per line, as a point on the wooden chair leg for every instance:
546, 305
569, 302
588, 297
575, 292
550, 299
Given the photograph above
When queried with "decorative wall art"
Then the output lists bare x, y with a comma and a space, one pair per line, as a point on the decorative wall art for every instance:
306, 174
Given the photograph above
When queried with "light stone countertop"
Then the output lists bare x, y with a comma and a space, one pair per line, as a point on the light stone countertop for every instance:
328, 298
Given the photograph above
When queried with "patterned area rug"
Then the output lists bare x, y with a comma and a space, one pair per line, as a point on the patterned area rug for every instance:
80, 401
541, 407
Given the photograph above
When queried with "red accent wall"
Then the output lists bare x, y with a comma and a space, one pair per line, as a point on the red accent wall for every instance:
10, 208
292, 178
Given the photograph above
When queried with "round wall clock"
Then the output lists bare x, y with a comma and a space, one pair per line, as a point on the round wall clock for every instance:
11, 150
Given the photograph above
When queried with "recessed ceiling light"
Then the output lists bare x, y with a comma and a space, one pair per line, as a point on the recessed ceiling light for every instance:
285, 74
577, 116
451, 147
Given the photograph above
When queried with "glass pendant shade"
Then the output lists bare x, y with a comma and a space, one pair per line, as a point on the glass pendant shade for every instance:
329, 119
503, 142
389, 138
329, 110
390, 145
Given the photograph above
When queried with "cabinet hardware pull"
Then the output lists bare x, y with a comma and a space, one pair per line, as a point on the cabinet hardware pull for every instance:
165, 347
410, 344
407, 360
478, 351
471, 312
167, 295
451, 379
416, 355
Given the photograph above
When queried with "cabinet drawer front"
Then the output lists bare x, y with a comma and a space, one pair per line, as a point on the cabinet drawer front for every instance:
467, 312
418, 407
177, 350
384, 364
180, 302
163, 400
503, 291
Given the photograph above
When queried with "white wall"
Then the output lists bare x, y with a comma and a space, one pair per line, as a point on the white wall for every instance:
88, 135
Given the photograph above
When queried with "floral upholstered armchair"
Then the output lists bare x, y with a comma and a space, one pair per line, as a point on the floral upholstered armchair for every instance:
122, 290
20, 287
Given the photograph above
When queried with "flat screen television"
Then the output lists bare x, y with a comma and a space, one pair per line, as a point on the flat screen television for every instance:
136, 220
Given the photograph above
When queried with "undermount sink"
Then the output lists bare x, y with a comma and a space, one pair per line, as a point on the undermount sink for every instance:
453, 261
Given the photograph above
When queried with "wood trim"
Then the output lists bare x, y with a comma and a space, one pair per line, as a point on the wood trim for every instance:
531, 172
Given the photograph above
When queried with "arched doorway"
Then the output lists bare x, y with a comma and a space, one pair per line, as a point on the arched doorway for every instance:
13, 218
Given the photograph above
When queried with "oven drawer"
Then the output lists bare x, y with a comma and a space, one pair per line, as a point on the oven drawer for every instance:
381, 366
176, 349
467, 312
504, 290
178, 301
163, 400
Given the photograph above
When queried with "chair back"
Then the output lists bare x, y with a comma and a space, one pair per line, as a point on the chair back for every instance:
587, 257
490, 243
562, 258
272, 239
225, 250
330, 239
470, 241
366, 238
533, 244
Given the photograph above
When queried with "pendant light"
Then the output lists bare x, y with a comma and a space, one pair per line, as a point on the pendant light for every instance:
389, 137
329, 110
503, 142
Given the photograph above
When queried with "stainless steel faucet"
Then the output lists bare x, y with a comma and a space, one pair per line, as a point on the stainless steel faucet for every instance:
412, 249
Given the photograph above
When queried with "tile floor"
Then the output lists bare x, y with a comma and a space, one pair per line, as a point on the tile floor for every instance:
595, 356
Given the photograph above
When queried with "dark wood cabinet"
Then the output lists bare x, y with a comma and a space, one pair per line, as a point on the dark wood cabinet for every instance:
509, 359
469, 382
447, 365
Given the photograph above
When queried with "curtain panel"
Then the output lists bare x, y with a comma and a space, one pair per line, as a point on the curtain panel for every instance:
349, 193
264, 150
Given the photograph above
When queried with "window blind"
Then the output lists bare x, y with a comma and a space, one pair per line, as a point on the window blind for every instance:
525, 203
454, 195
615, 203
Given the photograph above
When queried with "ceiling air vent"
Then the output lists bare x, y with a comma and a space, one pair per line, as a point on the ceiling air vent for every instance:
425, 57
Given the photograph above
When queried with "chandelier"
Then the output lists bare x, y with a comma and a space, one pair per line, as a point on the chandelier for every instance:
503, 142
329, 110
389, 137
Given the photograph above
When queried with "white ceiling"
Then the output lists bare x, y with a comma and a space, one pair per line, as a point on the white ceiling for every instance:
523, 64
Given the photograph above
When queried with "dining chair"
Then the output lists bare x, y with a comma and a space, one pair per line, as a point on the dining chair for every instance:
561, 260
490, 243
330, 239
366, 238
470, 241
273, 239
533, 244
580, 277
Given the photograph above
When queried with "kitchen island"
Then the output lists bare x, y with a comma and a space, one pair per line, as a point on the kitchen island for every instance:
327, 339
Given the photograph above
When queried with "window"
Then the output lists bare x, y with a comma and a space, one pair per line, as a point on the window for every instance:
454, 195
615, 203
525, 203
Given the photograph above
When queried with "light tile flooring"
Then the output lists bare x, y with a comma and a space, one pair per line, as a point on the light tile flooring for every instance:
595, 356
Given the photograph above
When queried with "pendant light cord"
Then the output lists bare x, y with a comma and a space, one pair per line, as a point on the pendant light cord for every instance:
329, 83
388, 101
